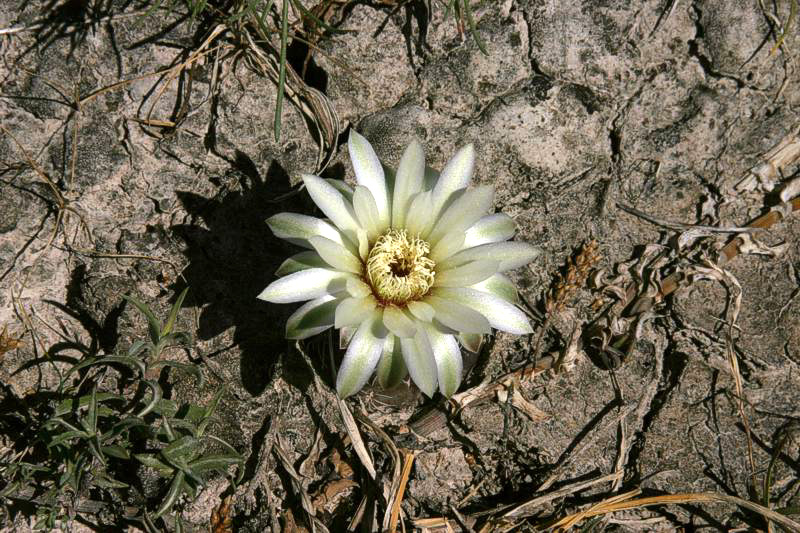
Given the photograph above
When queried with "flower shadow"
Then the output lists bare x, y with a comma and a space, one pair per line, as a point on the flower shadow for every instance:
232, 257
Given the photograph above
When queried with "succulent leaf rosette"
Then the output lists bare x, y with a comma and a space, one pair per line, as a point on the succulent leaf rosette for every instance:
408, 264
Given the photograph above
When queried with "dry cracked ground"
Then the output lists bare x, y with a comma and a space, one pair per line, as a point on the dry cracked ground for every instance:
657, 129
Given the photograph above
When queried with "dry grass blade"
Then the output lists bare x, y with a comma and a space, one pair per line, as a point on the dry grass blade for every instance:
613, 504
397, 497
526, 509
355, 438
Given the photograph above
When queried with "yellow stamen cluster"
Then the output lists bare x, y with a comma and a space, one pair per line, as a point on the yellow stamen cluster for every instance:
399, 269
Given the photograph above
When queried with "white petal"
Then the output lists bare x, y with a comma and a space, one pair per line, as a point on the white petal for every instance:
352, 311
510, 254
313, 317
345, 336
398, 322
342, 187
391, 367
421, 311
499, 285
301, 261
410, 174
305, 285
471, 341
449, 365
331, 202
336, 255
458, 317
361, 357
501, 314
456, 174
465, 210
420, 361
420, 215
497, 227
356, 287
367, 211
369, 173
448, 245
467, 274
297, 228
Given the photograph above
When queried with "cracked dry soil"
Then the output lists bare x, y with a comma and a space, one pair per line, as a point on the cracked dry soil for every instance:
576, 108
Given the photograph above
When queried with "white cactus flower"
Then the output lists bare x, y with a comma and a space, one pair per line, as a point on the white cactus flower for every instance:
411, 262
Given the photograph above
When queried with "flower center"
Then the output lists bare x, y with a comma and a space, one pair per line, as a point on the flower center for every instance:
399, 269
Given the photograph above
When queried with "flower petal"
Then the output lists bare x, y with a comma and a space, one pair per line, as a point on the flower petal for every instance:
342, 187
456, 174
465, 210
510, 254
297, 229
367, 211
420, 361
467, 274
501, 314
352, 311
336, 255
420, 215
421, 310
398, 322
369, 173
391, 367
305, 285
356, 287
497, 227
448, 245
458, 317
331, 202
499, 285
449, 365
301, 261
471, 341
311, 318
361, 357
408, 182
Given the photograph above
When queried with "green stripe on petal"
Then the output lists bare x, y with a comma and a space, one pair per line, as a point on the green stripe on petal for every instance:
353, 311
336, 255
311, 318
420, 362
305, 285
408, 182
369, 173
458, 317
449, 365
499, 285
465, 275
398, 322
391, 367
421, 310
465, 210
362, 356
297, 228
497, 227
456, 175
367, 211
509, 254
331, 202
501, 314
301, 261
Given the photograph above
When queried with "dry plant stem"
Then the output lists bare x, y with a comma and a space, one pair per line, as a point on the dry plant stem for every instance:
672, 282
109, 18
528, 508
688, 497
408, 461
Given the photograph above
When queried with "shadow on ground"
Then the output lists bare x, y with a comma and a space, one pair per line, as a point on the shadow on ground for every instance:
232, 257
